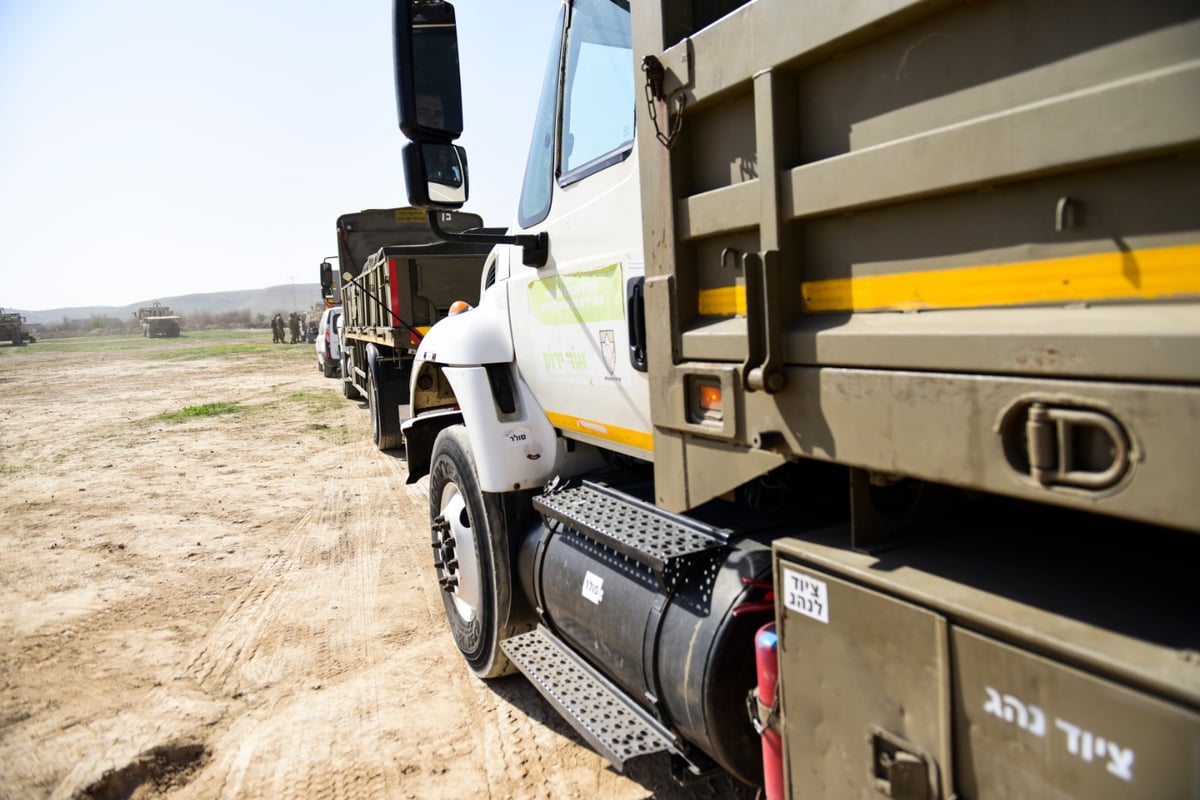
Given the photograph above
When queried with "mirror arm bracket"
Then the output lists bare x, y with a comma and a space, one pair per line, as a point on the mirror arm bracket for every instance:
535, 247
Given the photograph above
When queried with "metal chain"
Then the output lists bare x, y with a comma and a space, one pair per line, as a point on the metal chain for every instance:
654, 79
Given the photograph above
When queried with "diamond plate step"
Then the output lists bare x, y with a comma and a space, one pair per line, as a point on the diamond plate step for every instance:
602, 714
630, 526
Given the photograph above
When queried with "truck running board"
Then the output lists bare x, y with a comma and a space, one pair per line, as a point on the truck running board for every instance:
634, 528
602, 714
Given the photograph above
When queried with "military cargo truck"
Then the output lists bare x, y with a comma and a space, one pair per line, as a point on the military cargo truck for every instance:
396, 279
874, 322
12, 329
158, 321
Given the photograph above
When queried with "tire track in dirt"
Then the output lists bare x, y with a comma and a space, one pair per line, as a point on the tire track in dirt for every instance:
306, 625
330, 672
324, 647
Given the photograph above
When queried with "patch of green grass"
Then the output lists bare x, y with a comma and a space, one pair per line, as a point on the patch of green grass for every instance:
9, 469
338, 434
191, 344
210, 351
94, 344
197, 412
319, 401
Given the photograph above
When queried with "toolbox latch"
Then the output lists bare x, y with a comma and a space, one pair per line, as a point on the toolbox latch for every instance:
900, 769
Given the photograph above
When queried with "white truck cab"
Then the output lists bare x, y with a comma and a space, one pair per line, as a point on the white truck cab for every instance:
562, 326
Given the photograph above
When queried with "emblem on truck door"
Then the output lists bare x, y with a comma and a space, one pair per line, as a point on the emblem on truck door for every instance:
608, 349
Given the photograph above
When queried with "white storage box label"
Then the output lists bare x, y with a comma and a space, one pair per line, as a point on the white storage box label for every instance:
806, 595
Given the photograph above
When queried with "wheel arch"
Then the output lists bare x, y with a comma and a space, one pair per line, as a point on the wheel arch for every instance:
514, 444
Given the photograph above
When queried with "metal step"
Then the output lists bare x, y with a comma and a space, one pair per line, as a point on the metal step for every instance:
630, 526
602, 714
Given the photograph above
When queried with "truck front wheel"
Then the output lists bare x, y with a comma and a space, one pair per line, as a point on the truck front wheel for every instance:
470, 546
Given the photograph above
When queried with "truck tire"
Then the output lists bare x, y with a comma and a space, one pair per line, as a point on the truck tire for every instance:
470, 541
384, 403
348, 390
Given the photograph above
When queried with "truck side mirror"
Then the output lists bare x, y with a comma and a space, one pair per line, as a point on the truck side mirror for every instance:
326, 279
428, 82
436, 174
429, 101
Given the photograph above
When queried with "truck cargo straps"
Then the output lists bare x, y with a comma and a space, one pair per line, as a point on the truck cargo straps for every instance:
648, 535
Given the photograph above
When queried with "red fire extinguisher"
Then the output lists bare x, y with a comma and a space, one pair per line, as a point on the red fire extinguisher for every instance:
764, 711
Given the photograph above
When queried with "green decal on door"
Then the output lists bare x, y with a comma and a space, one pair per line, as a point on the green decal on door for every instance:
594, 296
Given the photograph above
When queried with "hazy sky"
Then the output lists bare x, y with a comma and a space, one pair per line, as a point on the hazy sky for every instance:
151, 148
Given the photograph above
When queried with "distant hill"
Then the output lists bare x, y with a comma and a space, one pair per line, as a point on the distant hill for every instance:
285, 298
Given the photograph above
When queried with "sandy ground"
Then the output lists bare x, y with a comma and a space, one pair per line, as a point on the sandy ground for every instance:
240, 605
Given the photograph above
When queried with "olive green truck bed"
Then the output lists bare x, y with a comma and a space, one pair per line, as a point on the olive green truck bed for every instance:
945, 244
961, 240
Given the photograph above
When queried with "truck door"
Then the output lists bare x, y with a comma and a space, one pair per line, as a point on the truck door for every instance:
570, 317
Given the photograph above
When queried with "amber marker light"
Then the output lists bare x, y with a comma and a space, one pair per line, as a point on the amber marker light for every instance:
458, 307
710, 397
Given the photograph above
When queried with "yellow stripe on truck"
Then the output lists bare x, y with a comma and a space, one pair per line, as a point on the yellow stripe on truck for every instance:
723, 302
1150, 274
603, 430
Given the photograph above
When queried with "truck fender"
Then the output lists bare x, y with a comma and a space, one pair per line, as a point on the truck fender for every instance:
478, 336
513, 451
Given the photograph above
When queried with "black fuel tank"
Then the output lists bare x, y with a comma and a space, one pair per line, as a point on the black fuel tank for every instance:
667, 637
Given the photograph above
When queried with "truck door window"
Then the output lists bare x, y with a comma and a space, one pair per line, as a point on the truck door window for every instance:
598, 97
539, 168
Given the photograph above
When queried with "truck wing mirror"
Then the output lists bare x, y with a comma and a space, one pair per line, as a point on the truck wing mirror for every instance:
428, 82
429, 101
326, 279
436, 174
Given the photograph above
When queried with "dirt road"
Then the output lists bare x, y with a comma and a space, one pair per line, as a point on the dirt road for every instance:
238, 600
